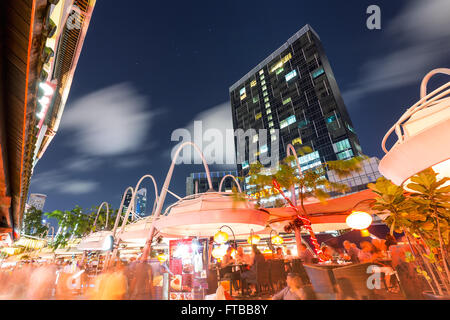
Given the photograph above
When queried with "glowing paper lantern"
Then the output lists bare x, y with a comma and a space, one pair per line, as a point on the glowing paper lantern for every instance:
219, 252
277, 240
253, 239
221, 237
359, 220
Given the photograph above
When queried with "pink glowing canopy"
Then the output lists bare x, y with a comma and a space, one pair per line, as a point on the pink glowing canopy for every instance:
203, 214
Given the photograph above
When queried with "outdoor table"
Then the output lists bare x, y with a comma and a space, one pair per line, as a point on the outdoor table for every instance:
329, 279
237, 267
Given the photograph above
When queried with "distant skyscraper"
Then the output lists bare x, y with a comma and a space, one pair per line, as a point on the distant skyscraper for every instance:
294, 90
127, 201
141, 201
36, 200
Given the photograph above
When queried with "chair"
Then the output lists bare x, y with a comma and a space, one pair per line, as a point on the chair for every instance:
277, 273
262, 276
356, 277
322, 281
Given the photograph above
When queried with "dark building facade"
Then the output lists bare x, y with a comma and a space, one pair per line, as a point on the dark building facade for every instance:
198, 183
294, 91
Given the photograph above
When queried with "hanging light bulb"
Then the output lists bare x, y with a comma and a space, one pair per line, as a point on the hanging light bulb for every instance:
253, 239
359, 220
221, 237
277, 240
219, 252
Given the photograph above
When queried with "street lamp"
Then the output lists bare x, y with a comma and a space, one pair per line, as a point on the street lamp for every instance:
222, 237
423, 136
360, 220
276, 239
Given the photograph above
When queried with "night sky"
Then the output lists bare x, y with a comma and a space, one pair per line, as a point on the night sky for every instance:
150, 67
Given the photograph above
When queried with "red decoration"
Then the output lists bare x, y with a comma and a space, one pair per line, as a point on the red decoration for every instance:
306, 222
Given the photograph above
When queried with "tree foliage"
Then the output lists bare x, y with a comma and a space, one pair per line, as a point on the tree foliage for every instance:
32, 223
424, 216
77, 223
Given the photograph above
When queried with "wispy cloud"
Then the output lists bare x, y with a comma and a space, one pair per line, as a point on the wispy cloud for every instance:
131, 162
83, 164
57, 180
104, 125
420, 33
108, 122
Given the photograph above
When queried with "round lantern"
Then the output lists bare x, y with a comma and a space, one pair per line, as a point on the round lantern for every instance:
359, 220
277, 240
221, 237
219, 252
253, 239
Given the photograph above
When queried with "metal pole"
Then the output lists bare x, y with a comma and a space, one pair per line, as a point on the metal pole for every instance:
116, 223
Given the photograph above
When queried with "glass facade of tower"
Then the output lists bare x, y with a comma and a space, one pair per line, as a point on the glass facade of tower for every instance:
294, 90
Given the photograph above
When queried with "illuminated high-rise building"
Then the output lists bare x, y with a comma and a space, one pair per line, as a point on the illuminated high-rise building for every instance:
294, 91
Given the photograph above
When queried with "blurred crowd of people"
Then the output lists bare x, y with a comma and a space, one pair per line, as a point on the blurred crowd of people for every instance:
71, 280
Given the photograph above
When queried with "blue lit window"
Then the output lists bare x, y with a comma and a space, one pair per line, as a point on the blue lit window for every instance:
317, 73
342, 145
290, 75
245, 165
302, 123
345, 155
287, 121
331, 119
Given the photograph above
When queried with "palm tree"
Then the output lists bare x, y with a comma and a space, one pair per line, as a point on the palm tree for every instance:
311, 183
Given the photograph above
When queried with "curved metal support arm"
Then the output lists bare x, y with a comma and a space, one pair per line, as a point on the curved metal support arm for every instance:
133, 198
119, 212
98, 212
164, 192
425, 101
232, 232
234, 179
289, 149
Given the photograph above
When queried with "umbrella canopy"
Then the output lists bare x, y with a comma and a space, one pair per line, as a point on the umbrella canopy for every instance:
203, 214
101, 240
326, 216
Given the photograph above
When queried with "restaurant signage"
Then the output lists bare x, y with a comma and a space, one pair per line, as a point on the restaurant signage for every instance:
187, 264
